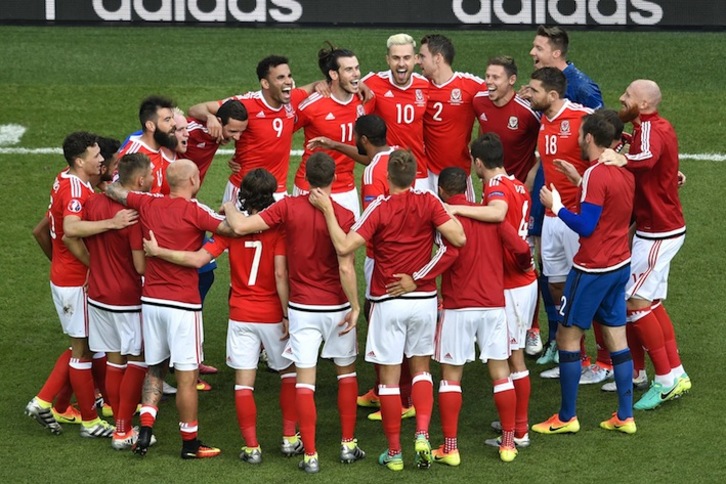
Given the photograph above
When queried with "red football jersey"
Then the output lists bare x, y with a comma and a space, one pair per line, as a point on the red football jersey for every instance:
253, 297
558, 140
653, 159
326, 116
608, 247
448, 122
517, 126
178, 224
201, 147
375, 183
401, 229
67, 197
514, 193
311, 258
158, 164
113, 282
403, 109
267, 141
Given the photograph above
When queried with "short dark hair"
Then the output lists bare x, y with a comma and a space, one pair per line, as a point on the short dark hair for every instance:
264, 66
488, 148
402, 168
372, 127
319, 170
256, 190
510, 67
109, 147
76, 144
150, 106
614, 119
558, 38
439, 44
453, 180
132, 165
552, 79
232, 109
600, 128
328, 59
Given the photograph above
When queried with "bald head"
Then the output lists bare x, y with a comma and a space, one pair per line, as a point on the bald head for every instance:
647, 93
181, 172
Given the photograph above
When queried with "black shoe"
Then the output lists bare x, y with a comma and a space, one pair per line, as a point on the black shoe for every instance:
196, 449
143, 442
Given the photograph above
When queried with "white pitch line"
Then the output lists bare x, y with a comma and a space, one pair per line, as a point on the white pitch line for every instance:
59, 151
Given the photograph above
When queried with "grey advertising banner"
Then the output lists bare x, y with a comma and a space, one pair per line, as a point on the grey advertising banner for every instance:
448, 13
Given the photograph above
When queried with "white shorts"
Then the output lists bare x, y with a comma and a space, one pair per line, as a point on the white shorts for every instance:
244, 341
172, 333
114, 331
434, 186
559, 246
399, 327
70, 304
459, 329
347, 199
231, 191
368, 264
650, 264
423, 185
520, 303
311, 327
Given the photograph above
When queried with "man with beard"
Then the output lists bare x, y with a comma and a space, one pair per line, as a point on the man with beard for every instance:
168, 155
660, 233
333, 117
157, 130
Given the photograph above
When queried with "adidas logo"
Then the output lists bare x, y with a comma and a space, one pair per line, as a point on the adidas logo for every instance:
483, 117
261, 114
372, 354
329, 117
448, 356
388, 94
201, 145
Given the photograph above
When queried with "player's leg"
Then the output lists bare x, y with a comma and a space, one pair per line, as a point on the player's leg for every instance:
505, 399
669, 337
129, 392
81, 376
450, 402
370, 398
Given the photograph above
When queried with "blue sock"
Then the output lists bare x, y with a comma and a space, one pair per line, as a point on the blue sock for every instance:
553, 316
570, 369
623, 369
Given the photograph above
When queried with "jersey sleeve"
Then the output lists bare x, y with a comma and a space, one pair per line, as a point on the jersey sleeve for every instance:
594, 188
207, 219
345, 217
302, 118
275, 214
280, 247
439, 214
75, 206
368, 223
216, 245
493, 192
137, 200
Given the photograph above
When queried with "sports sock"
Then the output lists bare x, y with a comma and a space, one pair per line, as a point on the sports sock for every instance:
603, 355
422, 394
636, 348
522, 389
450, 400
114, 377
669, 334
347, 407
287, 404
82, 383
63, 399
404, 383
505, 400
570, 370
307, 415
552, 309
391, 415
57, 379
244, 402
129, 394
147, 415
650, 333
623, 369
535, 318
189, 431
99, 374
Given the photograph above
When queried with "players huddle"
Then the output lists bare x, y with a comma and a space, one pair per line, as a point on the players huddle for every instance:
293, 279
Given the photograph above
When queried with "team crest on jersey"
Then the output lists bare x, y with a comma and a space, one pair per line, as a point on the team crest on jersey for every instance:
455, 96
513, 122
360, 111
565, 128
74, 206
419, 96
289, 111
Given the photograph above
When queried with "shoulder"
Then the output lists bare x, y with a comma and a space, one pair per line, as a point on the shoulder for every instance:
310, 101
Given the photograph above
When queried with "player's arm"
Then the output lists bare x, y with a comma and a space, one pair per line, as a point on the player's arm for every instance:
453, 231
495, 211
348, 279
139, 261
77, 248
514, 243
283, 290
74, 226
569, 170
184, 258
116, 192
207, 113
237, 224
41, 232
325, 143
440, 262
584, 223
344, 244
531, 175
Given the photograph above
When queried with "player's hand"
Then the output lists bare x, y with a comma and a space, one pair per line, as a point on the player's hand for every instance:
610, 157
546, 196
322, 88
350, 321
227, 207
214, 127
569, 170
524, 92
364, 93
234, 166
321, 142
151, 246
681, 179
285, 329
403, 285
452, 210
319, 199
124, 218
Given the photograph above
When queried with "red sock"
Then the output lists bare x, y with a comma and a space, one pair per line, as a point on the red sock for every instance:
449, 409
404, 384
307, 415
57, 379
535, 318
522, 390
649, 332
63, 399
506, 402
347, 407
585, 359
603, 355
114, 377
189, 430
82, 383
244, 400
99, 375
287, 404
636, 348
391, 415
129, 395
669, 334
377, 368
422, 393
147, 415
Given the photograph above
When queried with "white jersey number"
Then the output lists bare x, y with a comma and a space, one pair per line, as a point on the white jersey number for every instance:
438, 107
277, 125
550, 144
346, 132
257, 246
404, 113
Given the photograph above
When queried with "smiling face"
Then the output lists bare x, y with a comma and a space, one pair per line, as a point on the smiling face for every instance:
233, 130
401, 60
630, 104
539, 97
278, 85
542, 53
181, 133
499, 84
348, 74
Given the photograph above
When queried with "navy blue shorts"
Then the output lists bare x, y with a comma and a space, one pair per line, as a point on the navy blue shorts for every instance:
592, 296
536, 213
